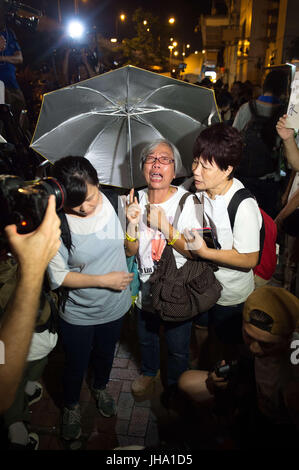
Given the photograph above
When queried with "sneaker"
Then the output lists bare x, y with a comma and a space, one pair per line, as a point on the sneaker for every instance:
105, 403
37, 395
142, 384
71, 423
33, 443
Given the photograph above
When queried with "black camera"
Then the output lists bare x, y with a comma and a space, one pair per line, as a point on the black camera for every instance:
24, 203
226, 371
18, 14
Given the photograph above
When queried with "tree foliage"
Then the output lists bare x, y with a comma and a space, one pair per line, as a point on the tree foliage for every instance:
144, 49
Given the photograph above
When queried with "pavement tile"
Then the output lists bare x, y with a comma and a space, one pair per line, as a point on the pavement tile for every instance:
129, 441
122, 426
139, 421
123, 351
132, 364
101, 441
85, 395
120, 362
125, 405
114, 387
44, 442
144, 403
126, 385
105, 425
152, 435
45, 419
123, 374
56, 444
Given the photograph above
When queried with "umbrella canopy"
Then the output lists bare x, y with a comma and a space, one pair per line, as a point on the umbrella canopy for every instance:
110, 117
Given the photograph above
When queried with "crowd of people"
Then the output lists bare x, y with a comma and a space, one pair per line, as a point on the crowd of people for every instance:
69, 281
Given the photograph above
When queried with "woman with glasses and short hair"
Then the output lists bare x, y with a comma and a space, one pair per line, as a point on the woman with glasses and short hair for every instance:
149, 230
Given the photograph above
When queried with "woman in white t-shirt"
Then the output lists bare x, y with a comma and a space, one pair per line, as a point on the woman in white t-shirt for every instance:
149, 229
217, 151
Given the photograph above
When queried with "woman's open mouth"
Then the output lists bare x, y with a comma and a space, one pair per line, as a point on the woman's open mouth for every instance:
156, 177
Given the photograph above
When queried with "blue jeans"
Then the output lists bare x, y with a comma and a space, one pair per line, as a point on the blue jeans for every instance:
177, 335
80, 343
226, 320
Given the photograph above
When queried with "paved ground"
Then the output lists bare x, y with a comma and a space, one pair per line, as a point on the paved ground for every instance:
137, 422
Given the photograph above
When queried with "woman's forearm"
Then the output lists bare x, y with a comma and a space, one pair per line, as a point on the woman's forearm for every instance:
231, 258
292, 152
82, 281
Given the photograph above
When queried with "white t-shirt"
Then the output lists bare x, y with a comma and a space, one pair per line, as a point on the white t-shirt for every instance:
236, 285
152, 242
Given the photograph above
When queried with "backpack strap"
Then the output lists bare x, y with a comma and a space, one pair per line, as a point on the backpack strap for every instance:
253, 108
232, 208
234, 203
112, 196
181, 206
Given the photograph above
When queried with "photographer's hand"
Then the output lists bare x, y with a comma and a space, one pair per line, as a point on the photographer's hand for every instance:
2, 43
33, 252
215, 383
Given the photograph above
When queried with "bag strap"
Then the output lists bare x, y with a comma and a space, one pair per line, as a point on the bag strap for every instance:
232, 208
253, 108
234, 203
181, 206
112, 196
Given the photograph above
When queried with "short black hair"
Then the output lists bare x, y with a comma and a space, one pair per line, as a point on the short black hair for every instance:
276, 82
221, 143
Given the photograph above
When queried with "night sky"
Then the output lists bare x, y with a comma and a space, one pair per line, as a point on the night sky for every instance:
103, 12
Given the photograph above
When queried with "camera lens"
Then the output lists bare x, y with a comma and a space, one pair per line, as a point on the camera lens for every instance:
52, 186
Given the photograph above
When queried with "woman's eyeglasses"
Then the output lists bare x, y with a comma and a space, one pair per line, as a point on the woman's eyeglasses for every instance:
162, 160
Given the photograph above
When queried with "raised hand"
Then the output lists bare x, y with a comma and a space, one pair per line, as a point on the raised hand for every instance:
284, 132
156, 218
133, 209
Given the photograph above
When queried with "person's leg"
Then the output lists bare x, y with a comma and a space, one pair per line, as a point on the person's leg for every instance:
177, 335
105, 339
201, 333
149, 341
227, 324
193, 384
77, 344
148, 332
17, 416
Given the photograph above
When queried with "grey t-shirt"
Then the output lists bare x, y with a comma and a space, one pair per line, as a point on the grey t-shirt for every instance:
244, 115
98, 248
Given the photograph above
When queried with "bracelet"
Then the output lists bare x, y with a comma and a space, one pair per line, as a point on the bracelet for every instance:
130, 239
175, 238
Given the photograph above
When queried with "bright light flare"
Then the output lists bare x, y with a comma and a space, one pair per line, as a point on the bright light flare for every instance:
75, 29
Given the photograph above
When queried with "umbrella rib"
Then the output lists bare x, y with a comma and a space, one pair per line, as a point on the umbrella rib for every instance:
155, 91
137, 115
97, 92
68, 121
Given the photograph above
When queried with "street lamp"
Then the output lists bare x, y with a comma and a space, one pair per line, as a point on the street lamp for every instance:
170, 55
122, 18
171, 20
